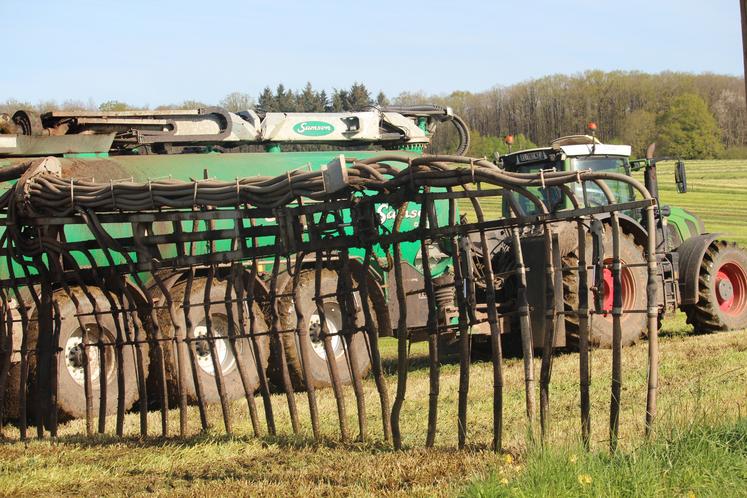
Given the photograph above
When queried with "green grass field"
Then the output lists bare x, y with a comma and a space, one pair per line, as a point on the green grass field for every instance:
717, 192
699, 448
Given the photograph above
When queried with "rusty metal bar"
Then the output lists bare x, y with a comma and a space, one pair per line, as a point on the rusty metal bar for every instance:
373, 344
402, 336
525, 325
6, 352
237, 352
277, 345
192, 348
617, 311
434, 368
350, 327
217, 366
302, 331
495, 334
264, 387
462, 274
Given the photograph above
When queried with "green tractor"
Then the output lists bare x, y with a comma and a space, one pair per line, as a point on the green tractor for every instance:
700, 273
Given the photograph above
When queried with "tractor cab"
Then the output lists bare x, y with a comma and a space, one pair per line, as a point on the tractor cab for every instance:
572, 153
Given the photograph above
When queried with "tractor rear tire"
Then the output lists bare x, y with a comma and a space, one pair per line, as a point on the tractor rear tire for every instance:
634, 280
722, 290
318, 367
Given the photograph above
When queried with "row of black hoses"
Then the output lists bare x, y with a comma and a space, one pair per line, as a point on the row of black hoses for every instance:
49, 194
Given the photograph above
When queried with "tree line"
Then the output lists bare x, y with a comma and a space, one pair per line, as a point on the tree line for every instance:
688, 115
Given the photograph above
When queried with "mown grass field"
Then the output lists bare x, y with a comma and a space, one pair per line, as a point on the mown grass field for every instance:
717, 192
700, 445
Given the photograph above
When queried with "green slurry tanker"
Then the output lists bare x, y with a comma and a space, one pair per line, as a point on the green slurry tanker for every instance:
211, 147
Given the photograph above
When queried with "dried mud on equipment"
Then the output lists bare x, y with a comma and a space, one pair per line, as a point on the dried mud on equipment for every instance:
161, 305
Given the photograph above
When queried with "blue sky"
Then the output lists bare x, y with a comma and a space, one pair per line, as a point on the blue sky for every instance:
160, 52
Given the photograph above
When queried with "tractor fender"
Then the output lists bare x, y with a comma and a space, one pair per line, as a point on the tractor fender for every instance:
691, 254
628, 225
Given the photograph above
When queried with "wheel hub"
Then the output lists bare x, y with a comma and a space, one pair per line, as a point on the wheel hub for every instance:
628, 288
731, 288
332, 318
74, 356
725, 289
223, 350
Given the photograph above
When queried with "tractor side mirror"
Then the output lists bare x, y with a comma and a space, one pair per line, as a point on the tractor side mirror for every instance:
680, 178
638, 164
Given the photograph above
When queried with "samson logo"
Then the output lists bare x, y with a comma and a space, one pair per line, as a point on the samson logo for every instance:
313, 128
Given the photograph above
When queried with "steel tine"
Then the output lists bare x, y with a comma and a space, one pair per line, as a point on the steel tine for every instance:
240, 366
278, 345
495, 334
6, 352
329, 352
302, 332
133, 332
264, 385
583, 330
118, 311
44, 353
87, 387
616, 389
244, 333
54, 382
23, 366
100, 341
176, 343
315, 235
153, 332
120, 315
549, 336
217, 367
114, 309
434, 368
402, 359
350, 326
373, 344
190, 331
41, 309
462, 275
652, 314
527, 344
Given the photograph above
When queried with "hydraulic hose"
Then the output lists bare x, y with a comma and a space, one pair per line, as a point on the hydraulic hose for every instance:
439, 113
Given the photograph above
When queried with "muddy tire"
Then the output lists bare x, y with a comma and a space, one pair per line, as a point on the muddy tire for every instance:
227, 357
70, 368
318, 359
722, 290
634, 280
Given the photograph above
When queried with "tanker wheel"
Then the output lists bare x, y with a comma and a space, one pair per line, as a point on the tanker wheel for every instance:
722, 290
70, 363
318, 367
227, 356
634, 280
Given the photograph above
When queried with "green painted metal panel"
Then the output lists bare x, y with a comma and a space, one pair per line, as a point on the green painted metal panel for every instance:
141, 168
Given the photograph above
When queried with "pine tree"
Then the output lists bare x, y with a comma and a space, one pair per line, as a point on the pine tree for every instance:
358, 97
266, 100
